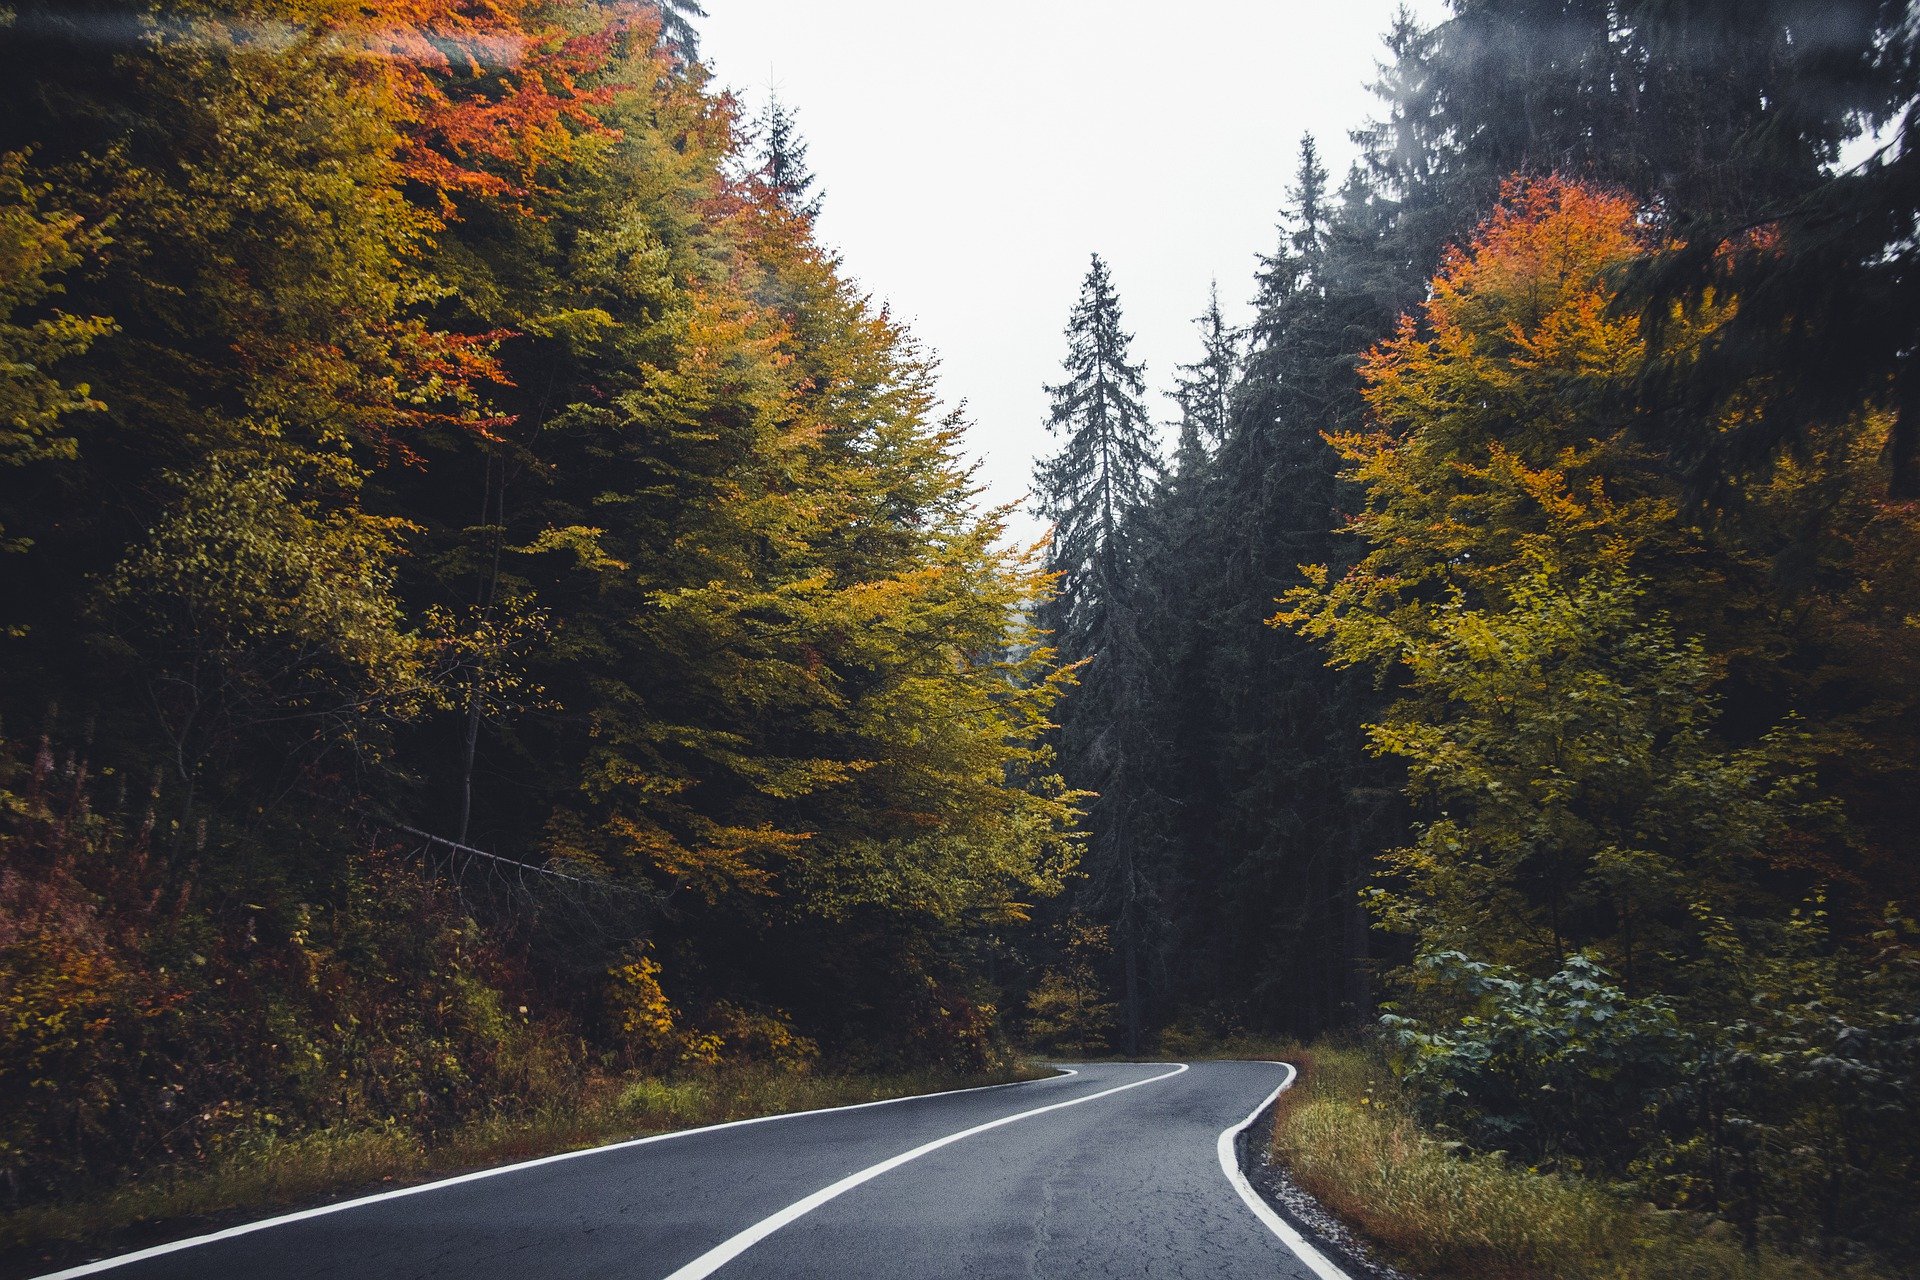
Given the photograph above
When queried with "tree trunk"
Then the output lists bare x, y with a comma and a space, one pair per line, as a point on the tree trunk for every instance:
1903, 446
1359, 977
466, 770
1130, 960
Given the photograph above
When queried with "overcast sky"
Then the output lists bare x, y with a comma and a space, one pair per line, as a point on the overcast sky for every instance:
974, 155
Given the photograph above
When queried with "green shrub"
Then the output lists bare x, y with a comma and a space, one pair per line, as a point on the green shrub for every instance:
666, 1102
1349, 1135
1565, 1067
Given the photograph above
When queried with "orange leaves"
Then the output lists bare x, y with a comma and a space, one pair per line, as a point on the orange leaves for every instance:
1525, 306
489, 91
715, 861
1501, 439
1541, 249
1520, 362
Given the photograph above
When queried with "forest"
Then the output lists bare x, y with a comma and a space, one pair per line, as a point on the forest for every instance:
491, 610
1517, 654
440, 419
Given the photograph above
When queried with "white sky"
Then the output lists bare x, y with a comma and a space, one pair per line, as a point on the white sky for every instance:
974, 155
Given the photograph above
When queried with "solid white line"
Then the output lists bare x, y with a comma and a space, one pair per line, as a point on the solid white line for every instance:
121, 1260
1230, 1164
721, 1254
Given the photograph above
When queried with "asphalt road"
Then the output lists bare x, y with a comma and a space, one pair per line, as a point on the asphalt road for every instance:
1114, 1171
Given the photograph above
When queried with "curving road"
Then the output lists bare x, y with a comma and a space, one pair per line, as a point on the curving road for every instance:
1117, 1170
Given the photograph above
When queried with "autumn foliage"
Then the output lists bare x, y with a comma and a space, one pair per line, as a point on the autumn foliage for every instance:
1624, 721
425, 416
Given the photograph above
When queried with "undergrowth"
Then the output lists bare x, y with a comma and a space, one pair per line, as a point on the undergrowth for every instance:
266, 1172
1348, 1137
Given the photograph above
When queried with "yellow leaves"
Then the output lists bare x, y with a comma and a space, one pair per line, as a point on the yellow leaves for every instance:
818, 683
37, 246
578, 327
785, 779
642, 1008
658, 1033
582, 542
1496, 445
754, 1036
711, 858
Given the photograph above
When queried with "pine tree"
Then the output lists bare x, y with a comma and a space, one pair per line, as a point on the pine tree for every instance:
1106, 464
1827, 292
1178, 547
1095, 490
1502, 85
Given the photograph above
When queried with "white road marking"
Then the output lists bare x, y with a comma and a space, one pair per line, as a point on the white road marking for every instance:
1230, 1164
245, 1228
721, 1254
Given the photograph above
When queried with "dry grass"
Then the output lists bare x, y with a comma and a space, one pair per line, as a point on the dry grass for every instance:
1349, 1140
274, 1173
1201, 1047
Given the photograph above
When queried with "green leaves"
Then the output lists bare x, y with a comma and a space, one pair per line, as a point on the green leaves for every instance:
1566, 1067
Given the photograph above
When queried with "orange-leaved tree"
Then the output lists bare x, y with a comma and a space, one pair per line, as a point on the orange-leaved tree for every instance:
1526, 551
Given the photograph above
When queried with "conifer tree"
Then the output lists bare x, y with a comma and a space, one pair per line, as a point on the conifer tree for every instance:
676, 26
1276, 833
1095, 490
783, 160
1827, 292
1105, 467
1180, 544
1204, 389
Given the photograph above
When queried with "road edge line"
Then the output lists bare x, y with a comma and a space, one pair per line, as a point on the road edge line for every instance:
1303, 1249
732, 1247
340, 1206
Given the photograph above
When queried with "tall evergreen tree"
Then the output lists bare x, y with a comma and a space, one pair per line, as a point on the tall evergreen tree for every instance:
1179, 545
676, 26
1829, 292
1715, 109
1094, 490
783, 160
1104, 469
1204, 389
1279, 807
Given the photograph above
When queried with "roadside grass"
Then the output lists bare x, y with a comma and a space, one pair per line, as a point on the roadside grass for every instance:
275, 1173
1348, 1138
1202, 1047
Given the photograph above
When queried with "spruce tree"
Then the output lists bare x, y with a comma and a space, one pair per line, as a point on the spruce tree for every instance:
676, 26
1179, 547
1105, 467
783, 160
1275, 835
1095, 490
1204, 388
1828, 309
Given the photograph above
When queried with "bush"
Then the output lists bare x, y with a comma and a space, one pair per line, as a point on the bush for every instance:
1068, 1011
145, 1023
1348, 1135
1796, 1121
1561, 1068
